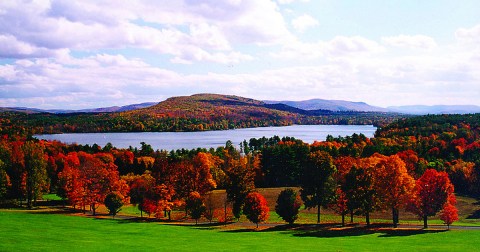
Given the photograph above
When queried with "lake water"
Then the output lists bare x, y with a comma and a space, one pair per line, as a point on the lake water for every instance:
207, 139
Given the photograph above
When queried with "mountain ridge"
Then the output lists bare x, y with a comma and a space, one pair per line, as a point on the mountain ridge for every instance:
305, 107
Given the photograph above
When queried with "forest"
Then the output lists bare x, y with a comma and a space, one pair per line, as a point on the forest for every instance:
415, 164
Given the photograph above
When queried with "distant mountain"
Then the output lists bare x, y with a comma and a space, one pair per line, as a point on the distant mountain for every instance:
331, 105
93, 110
436, 109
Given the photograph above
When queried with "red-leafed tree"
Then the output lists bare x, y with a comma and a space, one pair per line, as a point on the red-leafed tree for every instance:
340, 205
432, 191
256, 208
69, 181
449, 214
141, 189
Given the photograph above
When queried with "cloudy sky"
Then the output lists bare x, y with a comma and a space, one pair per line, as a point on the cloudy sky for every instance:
91, 53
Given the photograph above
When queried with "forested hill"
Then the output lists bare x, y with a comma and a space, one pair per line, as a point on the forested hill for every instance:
186, 113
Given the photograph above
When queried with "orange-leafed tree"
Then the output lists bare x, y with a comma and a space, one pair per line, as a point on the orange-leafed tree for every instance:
432, 191
449, 214
195, 206
69, 181
394, 185
256, 208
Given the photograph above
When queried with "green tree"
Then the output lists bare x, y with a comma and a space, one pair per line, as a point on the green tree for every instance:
36, 171
288, 204
318, 185
114, 203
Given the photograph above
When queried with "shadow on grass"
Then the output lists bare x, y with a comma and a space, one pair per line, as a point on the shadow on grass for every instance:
335, 230
396, 233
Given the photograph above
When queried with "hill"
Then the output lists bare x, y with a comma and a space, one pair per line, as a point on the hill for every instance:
436, 109
67, 111
330, 105
186, 113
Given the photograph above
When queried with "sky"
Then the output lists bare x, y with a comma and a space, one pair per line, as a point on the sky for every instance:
98, 53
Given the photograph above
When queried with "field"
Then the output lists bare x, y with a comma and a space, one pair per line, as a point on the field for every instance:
44, 231
57, 229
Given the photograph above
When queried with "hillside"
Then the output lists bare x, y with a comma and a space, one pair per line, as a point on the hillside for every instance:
186, 113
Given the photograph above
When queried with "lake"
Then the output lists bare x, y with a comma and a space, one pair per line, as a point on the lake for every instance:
207, 139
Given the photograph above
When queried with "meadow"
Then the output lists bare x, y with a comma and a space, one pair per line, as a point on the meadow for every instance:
46, 231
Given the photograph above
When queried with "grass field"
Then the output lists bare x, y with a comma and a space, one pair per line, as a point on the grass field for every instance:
44, 231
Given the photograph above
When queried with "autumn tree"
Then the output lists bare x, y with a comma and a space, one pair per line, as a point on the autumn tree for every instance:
141, 190
36, 170
449, 214
195, 206
114, 203
240, 181
318, 184
340, 204
394, 185
256, 208
432, 191
4, 182
288, 204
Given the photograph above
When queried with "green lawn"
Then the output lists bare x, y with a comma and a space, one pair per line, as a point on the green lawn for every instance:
37, 231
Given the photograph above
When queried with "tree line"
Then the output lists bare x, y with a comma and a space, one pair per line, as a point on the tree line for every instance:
352, 175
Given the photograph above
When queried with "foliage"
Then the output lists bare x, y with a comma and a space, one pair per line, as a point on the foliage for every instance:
114, 203
449, 214
288, 204
318, 184
256, 208
432, 191
195, 206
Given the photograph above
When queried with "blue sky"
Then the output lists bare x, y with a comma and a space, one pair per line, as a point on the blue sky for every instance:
85, 54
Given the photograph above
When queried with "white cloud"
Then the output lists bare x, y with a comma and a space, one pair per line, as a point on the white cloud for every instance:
470, 35
304, 22
157, 26
291, 1
410, 41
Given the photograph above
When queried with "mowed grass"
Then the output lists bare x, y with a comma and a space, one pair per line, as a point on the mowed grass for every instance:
44, 231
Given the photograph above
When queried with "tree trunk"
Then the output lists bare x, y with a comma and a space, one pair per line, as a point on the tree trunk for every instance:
351, 216
367, 218
93, 208
425, 224
343, 219
394, 217
318, 213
